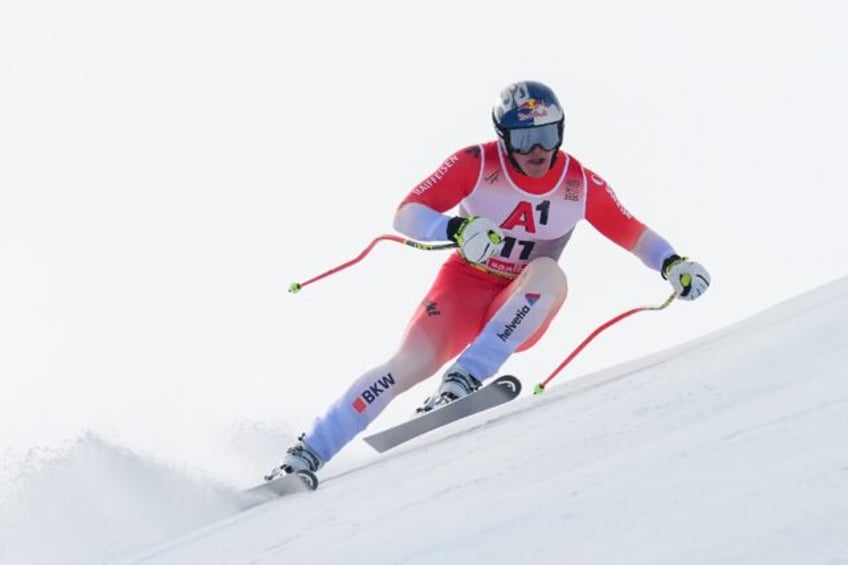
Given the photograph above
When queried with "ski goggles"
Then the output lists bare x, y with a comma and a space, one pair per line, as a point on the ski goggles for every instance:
523, 140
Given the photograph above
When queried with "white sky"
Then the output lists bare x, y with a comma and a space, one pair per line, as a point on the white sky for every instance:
168, 168
729, 449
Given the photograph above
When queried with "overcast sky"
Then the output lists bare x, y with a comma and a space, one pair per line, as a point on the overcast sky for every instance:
167, 169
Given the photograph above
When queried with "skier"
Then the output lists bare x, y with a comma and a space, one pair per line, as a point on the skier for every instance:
519, 198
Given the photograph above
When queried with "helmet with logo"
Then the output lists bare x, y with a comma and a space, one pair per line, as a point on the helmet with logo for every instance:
528, 114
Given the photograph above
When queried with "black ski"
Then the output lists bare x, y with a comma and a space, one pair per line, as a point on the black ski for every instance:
500, 390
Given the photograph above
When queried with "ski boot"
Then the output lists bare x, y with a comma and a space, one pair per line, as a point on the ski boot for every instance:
456, 383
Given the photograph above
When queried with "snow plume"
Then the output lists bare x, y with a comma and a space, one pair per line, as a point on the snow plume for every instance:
89, 501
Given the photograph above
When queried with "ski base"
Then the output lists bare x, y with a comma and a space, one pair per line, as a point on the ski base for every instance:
499, 391
284, 485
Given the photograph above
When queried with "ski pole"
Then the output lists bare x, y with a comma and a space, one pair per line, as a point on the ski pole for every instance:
540, 388
296, 286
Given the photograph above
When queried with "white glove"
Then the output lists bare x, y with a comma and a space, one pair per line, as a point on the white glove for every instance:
689, 279
478, 238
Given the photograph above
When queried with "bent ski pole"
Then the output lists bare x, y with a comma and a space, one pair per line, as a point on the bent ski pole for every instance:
296, 286
540, 388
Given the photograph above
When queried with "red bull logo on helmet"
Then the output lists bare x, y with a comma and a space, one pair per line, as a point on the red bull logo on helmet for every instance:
526, 104
531, 109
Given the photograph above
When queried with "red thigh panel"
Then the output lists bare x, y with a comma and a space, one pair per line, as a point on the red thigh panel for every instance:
454, 310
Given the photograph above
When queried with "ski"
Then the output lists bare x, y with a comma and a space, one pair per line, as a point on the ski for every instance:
284, 485
499, 391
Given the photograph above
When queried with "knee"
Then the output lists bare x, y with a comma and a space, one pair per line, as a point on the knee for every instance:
546, 272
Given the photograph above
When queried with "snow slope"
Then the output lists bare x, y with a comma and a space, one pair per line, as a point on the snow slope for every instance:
728, 449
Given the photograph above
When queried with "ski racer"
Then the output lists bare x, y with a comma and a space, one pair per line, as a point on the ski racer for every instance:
511, 205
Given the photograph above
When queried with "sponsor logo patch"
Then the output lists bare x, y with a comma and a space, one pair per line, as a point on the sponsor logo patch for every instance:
624, 211
370, 394
520, 314
437, 176
572, 190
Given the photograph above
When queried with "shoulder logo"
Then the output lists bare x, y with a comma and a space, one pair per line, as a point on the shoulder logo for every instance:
624, 211
430, 181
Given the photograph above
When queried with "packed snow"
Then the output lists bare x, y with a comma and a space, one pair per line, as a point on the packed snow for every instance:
727, 449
